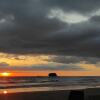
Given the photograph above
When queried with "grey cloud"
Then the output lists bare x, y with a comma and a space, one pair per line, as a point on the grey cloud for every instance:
74, 60
4, 66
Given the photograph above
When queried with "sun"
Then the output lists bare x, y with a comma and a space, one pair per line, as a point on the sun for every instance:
5, 92
5, 74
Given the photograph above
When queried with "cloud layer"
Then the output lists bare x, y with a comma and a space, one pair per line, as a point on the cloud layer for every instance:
50, 27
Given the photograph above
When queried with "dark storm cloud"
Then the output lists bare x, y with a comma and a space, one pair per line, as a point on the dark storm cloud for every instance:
82, 6
26, 28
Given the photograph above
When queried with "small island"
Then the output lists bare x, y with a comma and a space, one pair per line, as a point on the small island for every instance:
51, 75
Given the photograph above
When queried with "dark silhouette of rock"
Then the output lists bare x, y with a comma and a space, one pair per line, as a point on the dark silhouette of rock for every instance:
52, 75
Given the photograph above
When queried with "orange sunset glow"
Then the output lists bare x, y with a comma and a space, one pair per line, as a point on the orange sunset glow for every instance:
45, 73
5, 74
11, 64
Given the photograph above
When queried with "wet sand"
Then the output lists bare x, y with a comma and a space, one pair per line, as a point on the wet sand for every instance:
92, 94
84, 94
45, 95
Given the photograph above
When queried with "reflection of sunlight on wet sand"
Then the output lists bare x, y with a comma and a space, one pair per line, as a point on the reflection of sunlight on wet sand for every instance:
34, 89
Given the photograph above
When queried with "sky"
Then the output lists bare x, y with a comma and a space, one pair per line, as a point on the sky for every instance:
42, 36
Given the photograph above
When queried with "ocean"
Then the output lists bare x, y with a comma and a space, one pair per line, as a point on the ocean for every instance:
25, 84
